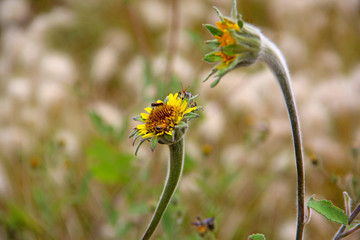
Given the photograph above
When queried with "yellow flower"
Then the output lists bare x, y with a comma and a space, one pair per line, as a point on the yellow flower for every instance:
163, 117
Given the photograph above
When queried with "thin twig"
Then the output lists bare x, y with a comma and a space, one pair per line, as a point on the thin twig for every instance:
340, 233
354, 229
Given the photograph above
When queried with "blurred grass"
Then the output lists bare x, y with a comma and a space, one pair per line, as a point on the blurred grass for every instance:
244, 176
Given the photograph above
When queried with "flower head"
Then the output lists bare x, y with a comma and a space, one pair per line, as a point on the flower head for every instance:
166, 121
236, 44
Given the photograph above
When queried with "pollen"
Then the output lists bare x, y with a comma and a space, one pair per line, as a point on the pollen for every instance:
162, 119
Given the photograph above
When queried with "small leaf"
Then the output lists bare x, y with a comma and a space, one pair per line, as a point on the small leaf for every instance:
257, 236
213, 30
212, 57
328, 210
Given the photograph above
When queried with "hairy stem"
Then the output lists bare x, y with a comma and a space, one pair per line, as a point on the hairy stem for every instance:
176, 163
272, 56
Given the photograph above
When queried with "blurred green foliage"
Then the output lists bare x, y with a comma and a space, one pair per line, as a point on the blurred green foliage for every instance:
102, 191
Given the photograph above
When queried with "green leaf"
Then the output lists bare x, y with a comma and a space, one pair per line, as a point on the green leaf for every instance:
328, 210
213, 30
212, 57
257, 236
108, 164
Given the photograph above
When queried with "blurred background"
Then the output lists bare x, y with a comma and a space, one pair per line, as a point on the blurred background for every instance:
74, 73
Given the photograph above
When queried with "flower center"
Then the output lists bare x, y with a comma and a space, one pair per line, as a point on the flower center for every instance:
162, 119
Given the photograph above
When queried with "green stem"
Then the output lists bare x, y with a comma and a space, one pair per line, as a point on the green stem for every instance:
272, 56
176, 163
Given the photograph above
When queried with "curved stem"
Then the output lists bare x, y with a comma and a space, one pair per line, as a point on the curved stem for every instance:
272, 56
176, 163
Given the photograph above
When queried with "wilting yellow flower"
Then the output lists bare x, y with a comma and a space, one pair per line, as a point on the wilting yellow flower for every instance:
236, 44
163, 117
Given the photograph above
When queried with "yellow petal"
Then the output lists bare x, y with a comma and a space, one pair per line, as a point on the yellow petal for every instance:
144, 115
148, 109
183, 106
189, 110
141, 126
148, 135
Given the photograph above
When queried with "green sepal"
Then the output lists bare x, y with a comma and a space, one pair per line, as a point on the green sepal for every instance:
213, 71
138, 118
181, 124
247, 39
234, 49
213, 44
257, 236
240, 22
136, 137
213, 30
154, 142
234, 12
138, 146
193, 97
348, 203
212, 57
328, 210
166, 99
191, 115
214, 83
219, 13
169, 138
133, 132
222, 71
